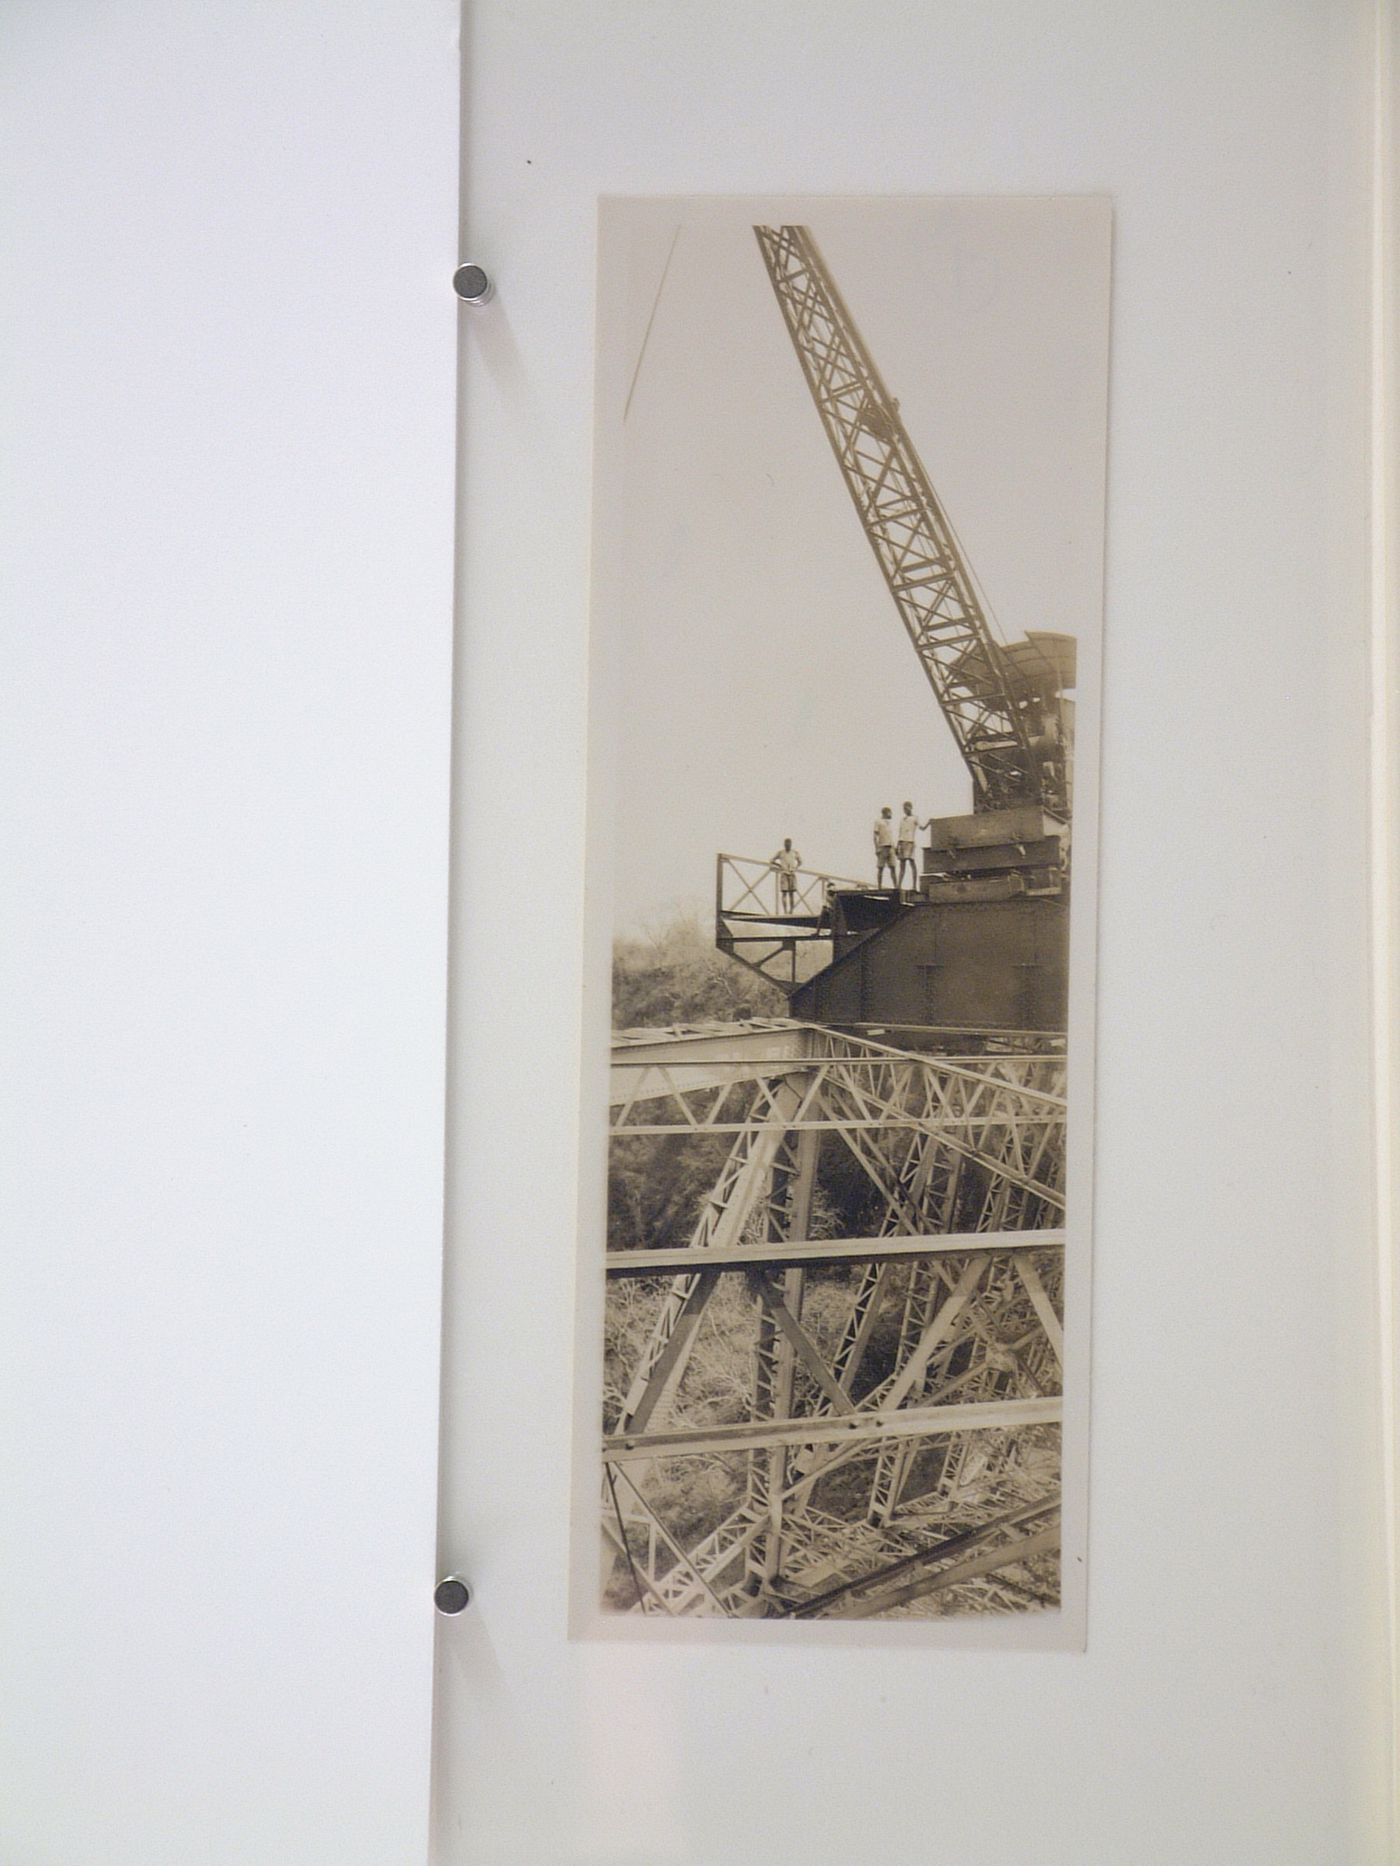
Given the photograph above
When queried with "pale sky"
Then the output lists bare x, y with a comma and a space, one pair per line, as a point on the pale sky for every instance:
765, 684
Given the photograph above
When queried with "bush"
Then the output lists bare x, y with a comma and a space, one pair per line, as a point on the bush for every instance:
677, 975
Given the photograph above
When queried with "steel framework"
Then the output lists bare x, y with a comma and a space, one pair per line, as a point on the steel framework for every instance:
912, 538
874, 1418
757, 926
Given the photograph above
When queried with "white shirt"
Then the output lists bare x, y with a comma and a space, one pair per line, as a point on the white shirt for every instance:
908, 828
884, 832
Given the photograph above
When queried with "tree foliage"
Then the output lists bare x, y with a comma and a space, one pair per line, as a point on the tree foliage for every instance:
675, 974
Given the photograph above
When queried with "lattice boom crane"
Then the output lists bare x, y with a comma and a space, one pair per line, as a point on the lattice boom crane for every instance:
1006, 726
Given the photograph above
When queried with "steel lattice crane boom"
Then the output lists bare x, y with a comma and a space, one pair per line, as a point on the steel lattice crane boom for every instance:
1006, 725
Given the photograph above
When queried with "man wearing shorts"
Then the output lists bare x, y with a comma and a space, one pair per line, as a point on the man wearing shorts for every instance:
884, 848
904, 848
787, 862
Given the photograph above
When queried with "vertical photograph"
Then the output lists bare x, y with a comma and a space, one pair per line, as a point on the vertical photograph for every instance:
846, 621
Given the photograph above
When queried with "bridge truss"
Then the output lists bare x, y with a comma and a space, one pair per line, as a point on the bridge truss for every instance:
804, 1424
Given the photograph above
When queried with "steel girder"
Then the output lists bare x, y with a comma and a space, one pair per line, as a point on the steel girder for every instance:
908, 1399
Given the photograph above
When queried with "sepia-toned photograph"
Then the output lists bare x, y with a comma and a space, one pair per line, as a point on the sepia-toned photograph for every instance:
848, 548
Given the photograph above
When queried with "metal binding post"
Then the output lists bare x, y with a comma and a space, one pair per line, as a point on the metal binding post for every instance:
451, 1595
473, 285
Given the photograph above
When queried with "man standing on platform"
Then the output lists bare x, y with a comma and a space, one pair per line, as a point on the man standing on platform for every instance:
884, 848
909, 827
787, 862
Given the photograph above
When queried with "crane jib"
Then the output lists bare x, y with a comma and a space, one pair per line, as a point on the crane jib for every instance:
913, 542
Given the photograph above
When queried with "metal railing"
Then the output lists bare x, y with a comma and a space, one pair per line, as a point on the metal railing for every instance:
763, 915
750, 889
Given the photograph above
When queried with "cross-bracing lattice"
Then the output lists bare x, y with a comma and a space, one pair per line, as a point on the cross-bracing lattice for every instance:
805, 1420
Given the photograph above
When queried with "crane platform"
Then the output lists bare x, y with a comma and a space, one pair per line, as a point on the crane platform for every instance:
985, 951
